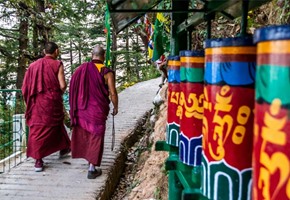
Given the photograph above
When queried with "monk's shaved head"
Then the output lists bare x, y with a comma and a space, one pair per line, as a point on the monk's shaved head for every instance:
50, 47
98, 51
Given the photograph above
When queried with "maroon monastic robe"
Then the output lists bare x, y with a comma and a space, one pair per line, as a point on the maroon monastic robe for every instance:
44, 109
89, 108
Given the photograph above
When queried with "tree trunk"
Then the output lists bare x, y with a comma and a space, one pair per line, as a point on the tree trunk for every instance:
143, 36
23, 45
22, 58
41, 30
35, 39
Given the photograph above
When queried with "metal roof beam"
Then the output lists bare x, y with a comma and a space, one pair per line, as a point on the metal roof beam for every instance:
156, 10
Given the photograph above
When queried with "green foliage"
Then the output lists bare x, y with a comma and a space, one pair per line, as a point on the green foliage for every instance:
283, 11
79, 22
6, 137
130, 78
157, 193
8, 44
163, 169
76, 26
6, 143
149, 72
133, 185
276, 12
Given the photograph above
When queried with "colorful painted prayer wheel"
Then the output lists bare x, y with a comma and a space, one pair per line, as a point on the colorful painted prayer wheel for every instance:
174, 111
230, 65
191, 105
271, 160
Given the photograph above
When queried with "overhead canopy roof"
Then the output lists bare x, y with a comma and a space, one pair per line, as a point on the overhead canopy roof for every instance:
125, 12
228, 8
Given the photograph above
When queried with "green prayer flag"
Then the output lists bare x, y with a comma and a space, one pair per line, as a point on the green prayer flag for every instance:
108, 37
158, 49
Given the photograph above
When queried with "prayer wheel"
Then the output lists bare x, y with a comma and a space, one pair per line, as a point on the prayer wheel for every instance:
191, 105
173, 109
230, 65
271, 154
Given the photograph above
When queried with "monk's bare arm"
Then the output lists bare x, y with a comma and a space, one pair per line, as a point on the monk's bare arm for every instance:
113, 92
61, 78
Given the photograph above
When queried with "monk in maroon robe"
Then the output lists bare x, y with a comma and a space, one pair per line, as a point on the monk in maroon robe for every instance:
43, 86
92, 87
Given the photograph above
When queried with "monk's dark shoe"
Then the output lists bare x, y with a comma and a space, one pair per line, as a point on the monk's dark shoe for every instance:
94, 174
64, 153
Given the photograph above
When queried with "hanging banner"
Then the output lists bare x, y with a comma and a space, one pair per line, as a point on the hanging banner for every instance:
108, 37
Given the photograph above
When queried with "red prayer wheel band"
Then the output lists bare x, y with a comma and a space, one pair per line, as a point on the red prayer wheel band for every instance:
231, 58
279, 60
173, 101
192, 65
228, 125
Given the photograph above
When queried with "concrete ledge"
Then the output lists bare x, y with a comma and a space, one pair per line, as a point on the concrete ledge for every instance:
116, 171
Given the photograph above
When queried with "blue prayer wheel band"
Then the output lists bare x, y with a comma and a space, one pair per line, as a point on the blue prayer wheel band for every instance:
170, 57
272, 33
226, 63
229, 42
188, 53
173, 69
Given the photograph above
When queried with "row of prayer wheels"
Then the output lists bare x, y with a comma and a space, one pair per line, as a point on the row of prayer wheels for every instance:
229, 114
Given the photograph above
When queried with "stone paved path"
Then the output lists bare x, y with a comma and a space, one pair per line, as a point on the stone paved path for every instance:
66, 179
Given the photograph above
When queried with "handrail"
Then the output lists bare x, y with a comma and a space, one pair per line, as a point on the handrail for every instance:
10, 90
13, 129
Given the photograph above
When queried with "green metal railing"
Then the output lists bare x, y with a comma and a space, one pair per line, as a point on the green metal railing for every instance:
13, 129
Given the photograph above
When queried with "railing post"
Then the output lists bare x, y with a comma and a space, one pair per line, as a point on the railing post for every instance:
244, 22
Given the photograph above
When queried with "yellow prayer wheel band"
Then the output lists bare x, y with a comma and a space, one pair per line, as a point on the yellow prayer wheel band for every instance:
278, 46
173, 63
231, 50
192, 59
